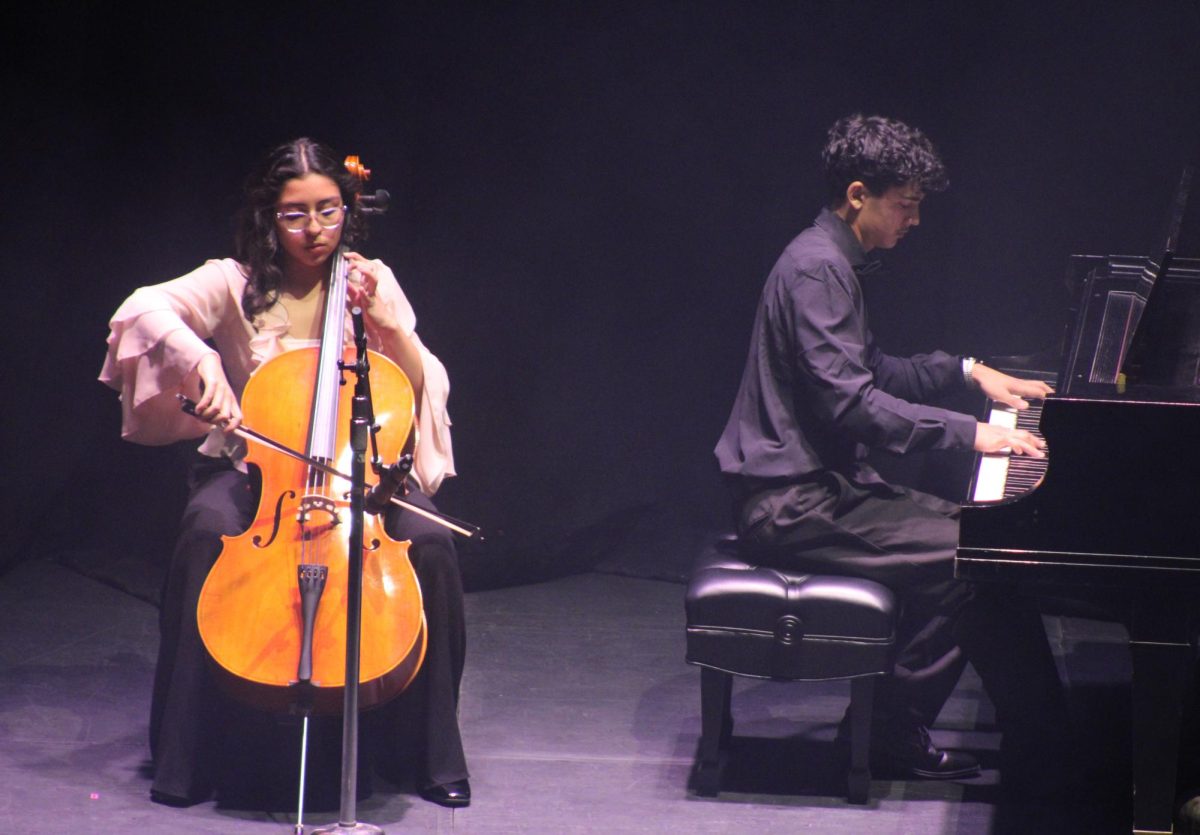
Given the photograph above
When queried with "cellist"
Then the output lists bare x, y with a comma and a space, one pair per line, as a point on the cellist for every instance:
300, 205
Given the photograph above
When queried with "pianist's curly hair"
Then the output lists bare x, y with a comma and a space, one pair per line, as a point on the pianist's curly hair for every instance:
881, 153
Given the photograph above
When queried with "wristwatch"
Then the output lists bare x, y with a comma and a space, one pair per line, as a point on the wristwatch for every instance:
968, 366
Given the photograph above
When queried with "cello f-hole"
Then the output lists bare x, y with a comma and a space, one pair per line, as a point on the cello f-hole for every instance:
257, 540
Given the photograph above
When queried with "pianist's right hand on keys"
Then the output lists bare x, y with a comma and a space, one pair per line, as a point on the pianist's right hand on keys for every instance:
1014, 393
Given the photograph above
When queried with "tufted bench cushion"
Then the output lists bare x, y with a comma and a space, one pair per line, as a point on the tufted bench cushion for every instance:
768, 623
748, 620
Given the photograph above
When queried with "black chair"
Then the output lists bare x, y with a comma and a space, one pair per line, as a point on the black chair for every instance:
746, 620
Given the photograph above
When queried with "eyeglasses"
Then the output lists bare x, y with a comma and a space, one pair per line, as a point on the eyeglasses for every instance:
297, 221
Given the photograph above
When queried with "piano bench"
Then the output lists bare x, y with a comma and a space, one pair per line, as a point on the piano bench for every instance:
747, 620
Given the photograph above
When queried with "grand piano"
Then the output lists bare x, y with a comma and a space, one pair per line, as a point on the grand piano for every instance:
1113, 512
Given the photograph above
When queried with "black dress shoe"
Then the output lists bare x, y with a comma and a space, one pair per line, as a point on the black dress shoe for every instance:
913, 756
451, 795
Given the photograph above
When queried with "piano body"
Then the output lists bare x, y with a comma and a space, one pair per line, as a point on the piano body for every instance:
1114, 510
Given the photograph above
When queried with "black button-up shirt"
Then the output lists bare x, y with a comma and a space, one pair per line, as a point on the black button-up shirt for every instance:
817, 392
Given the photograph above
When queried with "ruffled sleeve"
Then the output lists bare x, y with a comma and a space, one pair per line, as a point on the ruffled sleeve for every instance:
157, 339
433, 459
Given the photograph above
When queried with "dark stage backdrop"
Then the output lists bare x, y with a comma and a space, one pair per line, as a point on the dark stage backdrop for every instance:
587, 199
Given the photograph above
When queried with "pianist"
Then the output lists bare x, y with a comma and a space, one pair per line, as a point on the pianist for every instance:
816, 393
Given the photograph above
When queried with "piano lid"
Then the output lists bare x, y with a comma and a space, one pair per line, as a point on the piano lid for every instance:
1164, 345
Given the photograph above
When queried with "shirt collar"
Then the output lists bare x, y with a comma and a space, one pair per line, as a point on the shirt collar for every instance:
847, 242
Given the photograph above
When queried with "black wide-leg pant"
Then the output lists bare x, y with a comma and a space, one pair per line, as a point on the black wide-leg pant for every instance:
198, 737
906, 540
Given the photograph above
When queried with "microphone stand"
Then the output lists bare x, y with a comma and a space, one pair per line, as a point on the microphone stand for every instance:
361, 422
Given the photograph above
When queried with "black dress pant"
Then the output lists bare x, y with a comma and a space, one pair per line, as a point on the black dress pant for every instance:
906, 540
199, 738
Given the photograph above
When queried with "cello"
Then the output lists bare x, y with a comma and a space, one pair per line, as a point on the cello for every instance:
272, 612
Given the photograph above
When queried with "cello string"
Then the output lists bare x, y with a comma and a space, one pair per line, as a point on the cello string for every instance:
329, 374
322, 429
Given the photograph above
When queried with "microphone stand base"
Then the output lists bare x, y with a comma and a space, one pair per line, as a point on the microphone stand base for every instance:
348, 829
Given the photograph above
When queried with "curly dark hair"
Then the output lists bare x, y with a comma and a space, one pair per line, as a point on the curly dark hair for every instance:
256, 241
881, 153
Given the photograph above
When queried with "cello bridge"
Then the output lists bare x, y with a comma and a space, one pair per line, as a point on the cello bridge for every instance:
318, 511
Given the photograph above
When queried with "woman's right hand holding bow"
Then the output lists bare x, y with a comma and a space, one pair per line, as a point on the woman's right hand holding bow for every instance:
217, 404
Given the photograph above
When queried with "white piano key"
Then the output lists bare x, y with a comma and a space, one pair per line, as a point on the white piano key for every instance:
993, 468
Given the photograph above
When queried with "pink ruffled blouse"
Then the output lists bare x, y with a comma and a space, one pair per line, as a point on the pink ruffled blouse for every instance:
158, 336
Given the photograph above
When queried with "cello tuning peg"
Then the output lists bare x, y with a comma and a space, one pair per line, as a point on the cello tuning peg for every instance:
374, 204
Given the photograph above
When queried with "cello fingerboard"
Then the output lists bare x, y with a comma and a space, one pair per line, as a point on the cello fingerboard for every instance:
324, 419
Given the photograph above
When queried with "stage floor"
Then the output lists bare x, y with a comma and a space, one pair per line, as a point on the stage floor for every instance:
578, 713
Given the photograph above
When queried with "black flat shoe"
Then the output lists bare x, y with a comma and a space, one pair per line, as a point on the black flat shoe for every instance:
913, 756
451, 795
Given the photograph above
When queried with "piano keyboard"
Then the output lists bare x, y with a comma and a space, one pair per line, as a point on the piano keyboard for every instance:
1000, 475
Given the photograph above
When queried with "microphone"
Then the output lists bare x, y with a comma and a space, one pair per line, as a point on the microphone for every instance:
391, 480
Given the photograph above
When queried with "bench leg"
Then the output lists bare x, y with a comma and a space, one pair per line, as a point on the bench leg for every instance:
716, 727
862, 700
